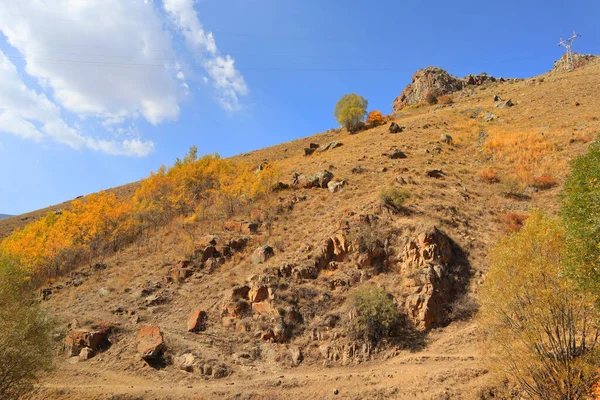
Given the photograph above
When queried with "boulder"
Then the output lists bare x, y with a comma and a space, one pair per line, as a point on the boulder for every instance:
313, 146
78, 339
262, 254
395, 128
335, 186
197, 321
308, 151
86, 353
445, 138
505, 104
394, 154
324, 177
329, 146
150, 342
239, 292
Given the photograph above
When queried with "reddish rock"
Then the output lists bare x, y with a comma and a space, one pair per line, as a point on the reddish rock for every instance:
150, 342
258, 293
197, 321
263, 308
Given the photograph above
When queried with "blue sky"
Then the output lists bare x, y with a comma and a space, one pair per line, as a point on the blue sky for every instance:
98, 93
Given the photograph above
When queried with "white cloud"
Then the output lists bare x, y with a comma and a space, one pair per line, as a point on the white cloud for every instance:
31, 115
228, 81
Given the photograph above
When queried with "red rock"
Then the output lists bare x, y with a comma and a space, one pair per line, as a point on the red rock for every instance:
197, 321
258, 293
150, 342
78, 339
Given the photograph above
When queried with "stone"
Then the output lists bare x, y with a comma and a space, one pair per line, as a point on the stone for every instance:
505, 104
150, 342
262, 254
296, 354
86, 353
335, 186
185, 362
263, 308
155, 300
78, 339
308, 151
324, 177
435, 173
314, 145
395, 154
197, 321
258, 293
239, 292
445, 138
395, 128
329, 146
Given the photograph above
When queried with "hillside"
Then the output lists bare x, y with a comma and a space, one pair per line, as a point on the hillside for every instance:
4, 216
275, 320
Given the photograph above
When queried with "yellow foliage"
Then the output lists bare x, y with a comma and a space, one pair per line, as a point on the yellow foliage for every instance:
102, 222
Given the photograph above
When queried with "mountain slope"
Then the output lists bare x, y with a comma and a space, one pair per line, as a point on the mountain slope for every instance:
553, 119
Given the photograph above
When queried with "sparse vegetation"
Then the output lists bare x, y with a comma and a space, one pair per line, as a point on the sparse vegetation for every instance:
513, 222
544, 182
489, 175
540, 330
376, 314
25, 333
445, 99
375, 118
395, 198
350, 111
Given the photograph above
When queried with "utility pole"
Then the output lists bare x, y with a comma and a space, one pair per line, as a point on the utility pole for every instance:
568, 44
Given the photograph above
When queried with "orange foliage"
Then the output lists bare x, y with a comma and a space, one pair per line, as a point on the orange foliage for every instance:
101, 222
544, 182
489, 175
445, 99
375, 118
514, 222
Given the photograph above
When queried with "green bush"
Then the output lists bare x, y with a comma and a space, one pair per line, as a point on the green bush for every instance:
350, 111
25, 333
394, 198
580, 212
376, 314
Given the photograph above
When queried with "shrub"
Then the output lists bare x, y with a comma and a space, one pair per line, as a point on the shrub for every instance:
394, 198
540, 330
445, 99
580, 211
350, 111
375, 118
514, 222
431, 98
544, 182
376, 314
25, 333
489, 175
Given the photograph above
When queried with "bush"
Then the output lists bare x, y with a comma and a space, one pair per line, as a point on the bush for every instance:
25, 333
514, 222
376, 314
445, 99
489, 175
394, 198
580, 212
350, 111
544, 182
540, 330
375, 118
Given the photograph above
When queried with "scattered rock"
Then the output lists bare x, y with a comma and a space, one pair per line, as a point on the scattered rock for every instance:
78, 339
86, 353
239, 292
394, 154
297, 356
186, 362
395, 128
197, 321
445, 138
505, 104
308, 151
382, 169
329, 146
262, 254
358, 169
155, 300
258, 293
335, 186
435, 173
313, 146
150, 342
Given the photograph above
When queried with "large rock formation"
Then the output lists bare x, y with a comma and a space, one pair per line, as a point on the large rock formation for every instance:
578, 61
433, 278
437, 82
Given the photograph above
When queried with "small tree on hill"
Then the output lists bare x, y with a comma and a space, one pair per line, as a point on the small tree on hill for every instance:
375, 118
25, 333
350, 111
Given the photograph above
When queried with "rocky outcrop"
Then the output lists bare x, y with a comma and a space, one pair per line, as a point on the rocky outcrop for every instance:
432, 278
578, 61
434, 81
197, 321
79, 339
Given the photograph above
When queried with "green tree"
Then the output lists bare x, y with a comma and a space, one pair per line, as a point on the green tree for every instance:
541, 331
25, 333
581, 216
376, 314
351, 110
